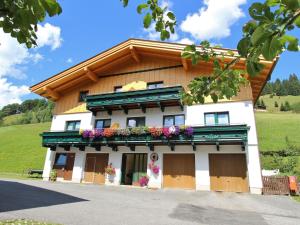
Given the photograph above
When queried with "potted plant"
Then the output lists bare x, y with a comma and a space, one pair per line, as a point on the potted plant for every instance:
53, 175
143, 181
111, 172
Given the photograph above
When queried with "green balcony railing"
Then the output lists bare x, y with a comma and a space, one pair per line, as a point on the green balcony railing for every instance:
143, 99
229, 134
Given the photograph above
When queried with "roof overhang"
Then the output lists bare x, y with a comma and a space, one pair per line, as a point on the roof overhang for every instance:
91, 69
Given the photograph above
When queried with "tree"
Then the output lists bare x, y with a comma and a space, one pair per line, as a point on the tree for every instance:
263, 106
268, 33
287, 106
268, 89
276, 104
19, 18
282, 108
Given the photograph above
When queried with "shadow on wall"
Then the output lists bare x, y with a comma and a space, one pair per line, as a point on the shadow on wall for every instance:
17, 196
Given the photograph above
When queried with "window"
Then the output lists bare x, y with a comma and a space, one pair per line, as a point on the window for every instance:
136, 122
217, 118
155, 85
118, 88
99, 124
172, 120
72, 125
82, 96
60, 159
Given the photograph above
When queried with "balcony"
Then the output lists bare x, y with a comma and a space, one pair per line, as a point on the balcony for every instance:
142, 99
208, 135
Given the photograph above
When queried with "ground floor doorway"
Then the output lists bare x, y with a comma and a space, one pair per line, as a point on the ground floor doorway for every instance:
95, 164
134, 166
63, 164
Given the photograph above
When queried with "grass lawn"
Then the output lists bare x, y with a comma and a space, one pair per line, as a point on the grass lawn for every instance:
272, 129
269, 102
21, 148
12, 119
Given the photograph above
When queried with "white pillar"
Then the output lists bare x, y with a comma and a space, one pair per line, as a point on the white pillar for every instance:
115, 158
202, 170
50, 157
254, 169
155, 181
79, 165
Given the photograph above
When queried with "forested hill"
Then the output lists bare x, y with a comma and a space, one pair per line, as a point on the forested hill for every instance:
29, 111
286, 87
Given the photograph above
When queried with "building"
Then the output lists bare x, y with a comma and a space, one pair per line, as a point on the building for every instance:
137, 83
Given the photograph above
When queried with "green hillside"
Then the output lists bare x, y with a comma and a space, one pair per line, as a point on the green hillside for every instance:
270, 102
273, 128
11, 120
21, 147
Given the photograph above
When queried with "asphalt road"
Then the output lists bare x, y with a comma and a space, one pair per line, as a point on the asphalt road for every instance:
73, 204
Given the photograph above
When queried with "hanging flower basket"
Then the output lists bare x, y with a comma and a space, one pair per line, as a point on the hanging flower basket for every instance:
154, 168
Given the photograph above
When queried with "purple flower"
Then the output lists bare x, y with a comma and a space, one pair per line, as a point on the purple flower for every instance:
86, 133
177, 130
189, 131
98, 133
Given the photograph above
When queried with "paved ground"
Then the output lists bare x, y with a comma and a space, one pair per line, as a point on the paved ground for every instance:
90, 204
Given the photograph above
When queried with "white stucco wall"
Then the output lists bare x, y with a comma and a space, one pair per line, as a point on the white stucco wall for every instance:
239, 113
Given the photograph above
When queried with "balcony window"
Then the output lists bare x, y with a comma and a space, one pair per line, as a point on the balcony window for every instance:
82, 96
172, 120
216, 118
99, 124
73, 125
136, 122
154, 85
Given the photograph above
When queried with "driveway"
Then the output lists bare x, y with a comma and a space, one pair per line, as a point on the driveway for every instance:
73, 204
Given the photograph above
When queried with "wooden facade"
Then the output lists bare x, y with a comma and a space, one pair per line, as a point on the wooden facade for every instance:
135, 60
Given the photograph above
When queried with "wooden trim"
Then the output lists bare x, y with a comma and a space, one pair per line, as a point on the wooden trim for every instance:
91, 75
134, 54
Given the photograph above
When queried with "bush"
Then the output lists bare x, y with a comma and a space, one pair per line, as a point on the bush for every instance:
296, 107
276, 104
287, 106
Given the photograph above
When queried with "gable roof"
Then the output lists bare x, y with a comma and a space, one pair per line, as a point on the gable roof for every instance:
134, 49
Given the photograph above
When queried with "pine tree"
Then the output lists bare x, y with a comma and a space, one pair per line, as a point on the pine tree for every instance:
287, 106
282, 108
276, 104
263, 106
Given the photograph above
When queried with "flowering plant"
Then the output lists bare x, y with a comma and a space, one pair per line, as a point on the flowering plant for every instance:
154, 168
108, 132
98, 133
123, 132
86, 133
143, 181
110, 170
137, 130
188, 131
155, 132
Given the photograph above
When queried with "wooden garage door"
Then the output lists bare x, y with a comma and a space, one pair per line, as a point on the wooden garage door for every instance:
179, 171
228, 172
95, 168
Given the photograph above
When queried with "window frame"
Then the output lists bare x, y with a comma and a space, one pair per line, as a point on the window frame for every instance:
95, 123
72, 121
174, 115
155, 83
135, 117
216, 118
56, 158
80, 94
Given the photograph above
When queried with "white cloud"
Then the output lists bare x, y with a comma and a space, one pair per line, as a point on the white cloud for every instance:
186, 41
49, 35
10, 93
15, 57
214, 19
69, 60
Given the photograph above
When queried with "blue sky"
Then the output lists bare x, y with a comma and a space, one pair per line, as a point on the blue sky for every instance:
85, 29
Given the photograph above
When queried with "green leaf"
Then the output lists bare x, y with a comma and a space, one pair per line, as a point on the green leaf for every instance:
243, 46
164, 34
253, 68
125, 2
141, 7
291, 4
259, 35
272, 2
147, 20
293, 42
171, 15
271, 48
52, 7
297, 22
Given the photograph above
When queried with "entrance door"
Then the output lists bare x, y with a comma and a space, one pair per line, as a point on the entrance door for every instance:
179, 171
95, 168
68, 170
228, 172
134, 166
